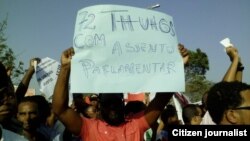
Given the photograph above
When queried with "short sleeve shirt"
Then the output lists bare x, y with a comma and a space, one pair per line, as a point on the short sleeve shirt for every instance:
11, 136
98, 130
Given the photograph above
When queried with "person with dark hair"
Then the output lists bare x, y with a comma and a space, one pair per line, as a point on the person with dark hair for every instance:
43, 107
112, 124
192, 114
7, 108
30, 114
168, 118
134, 107
229, 103
233, 73
85, 104
7, 97
11, 123
93, 98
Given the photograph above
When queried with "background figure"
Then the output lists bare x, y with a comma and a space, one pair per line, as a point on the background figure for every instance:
11, 122
93, 98
31, 117
8, 109
233, 73
192, 114
168, 118
91, 110
86, 104
229, 102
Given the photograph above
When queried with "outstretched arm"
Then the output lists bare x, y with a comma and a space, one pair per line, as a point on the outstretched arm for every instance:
231, 74
66, 115
24, 84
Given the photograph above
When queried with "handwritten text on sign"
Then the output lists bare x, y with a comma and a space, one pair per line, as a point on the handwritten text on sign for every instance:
125, 49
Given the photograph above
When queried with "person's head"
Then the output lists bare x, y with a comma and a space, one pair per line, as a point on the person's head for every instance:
134, 107
169, 116
90, 111
192, 114
43, 107
93, 99
79, 104
229, 103
112, 108
7, 96
28, 114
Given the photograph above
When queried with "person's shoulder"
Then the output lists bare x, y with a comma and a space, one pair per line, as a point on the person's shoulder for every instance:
11, 136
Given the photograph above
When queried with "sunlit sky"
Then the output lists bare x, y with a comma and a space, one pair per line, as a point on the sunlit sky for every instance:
44, 28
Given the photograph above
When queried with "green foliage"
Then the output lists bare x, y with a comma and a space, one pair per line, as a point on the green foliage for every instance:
198, 64
196, 87
196, 83
7, 56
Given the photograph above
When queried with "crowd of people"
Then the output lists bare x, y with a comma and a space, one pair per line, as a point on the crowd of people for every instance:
108, 116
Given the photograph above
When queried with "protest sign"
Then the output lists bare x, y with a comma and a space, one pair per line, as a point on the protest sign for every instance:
125, 49
46, 74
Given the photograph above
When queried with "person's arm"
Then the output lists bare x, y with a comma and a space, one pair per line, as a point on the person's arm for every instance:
24, 84
239, 73
157, 105
65, 114
232, 70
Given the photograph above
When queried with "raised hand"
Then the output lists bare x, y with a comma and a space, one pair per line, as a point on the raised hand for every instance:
67, 56
184, 53
32, 64
232, 52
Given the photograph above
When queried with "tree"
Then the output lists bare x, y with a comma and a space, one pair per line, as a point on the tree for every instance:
198, 64
195, 71
7, 56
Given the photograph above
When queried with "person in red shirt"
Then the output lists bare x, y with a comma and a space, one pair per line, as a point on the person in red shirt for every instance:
112, 124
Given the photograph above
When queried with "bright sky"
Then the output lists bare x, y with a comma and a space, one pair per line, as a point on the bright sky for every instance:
44, 28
